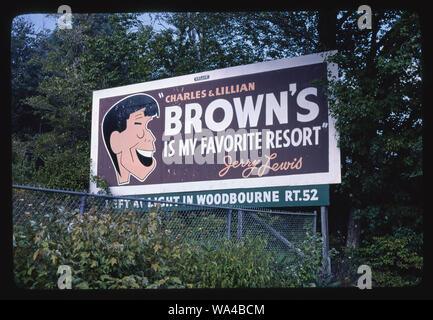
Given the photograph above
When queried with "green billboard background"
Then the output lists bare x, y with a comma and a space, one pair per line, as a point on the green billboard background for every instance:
269, 197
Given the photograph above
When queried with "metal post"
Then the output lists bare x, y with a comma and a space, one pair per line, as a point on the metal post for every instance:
229, 223
325, 237
315, 223
82, 204
240, 224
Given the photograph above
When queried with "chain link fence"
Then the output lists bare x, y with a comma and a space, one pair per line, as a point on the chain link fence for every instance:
282, 231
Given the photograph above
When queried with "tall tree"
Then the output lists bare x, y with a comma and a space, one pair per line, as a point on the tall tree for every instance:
327, 29
379, 119
64, 95
25, 75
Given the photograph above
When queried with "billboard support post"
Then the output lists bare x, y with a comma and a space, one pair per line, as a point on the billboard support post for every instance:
324, 224
315, 223
82, 204
240, 225
229, 223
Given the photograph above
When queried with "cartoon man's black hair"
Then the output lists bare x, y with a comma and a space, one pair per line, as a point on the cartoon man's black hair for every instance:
115, 118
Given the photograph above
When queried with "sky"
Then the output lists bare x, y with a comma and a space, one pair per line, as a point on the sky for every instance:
42, 21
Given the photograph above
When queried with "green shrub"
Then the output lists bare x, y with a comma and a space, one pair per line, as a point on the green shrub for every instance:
228, 264
138, 250
250, 264
22, 164
307, 271
395, 261
106, 251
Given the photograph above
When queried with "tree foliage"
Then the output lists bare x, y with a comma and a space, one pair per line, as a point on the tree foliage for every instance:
25, 75
376, 101
379, 118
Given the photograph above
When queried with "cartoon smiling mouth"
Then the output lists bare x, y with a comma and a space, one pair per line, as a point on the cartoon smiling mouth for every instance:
145, 157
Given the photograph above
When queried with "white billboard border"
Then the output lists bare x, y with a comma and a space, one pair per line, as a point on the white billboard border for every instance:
330, 177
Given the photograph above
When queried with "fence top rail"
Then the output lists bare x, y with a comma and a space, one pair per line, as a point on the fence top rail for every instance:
106, 196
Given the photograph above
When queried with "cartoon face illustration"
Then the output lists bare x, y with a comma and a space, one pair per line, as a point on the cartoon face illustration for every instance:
127, 138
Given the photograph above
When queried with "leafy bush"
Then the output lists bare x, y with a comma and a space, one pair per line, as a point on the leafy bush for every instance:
138, 250
250, 264
65, 168
229, 264
395, 261
307, 271
23, 166
106, 251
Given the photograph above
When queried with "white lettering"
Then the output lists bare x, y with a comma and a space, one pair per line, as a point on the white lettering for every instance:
172, 117
249, 111
279, 109
190, 121
227, 118
312, 107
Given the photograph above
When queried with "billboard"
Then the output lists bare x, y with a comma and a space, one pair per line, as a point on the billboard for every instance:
251, 126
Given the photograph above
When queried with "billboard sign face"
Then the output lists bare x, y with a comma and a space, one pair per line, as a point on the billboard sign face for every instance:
251, 126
